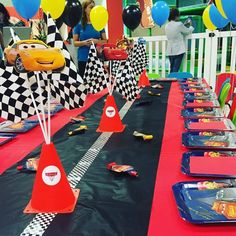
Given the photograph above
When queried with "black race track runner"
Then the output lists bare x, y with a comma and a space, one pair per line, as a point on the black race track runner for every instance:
109, 204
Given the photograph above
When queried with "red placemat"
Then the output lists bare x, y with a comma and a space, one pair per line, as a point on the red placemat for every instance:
213, 165
199, 104
212, 125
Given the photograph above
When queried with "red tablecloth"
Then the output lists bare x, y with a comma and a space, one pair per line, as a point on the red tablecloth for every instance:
165, 219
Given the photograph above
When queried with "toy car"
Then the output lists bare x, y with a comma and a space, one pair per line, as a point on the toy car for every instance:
34, 55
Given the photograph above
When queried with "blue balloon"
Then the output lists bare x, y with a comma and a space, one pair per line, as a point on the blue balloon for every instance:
216, 18
26, 8
229, 7
160, 12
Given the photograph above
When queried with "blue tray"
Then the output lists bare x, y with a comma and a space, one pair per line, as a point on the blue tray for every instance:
54, 108
195, 79
189, 113
202, 96
20, 127
195, 200
210, 140
4, 138
197, 86
186, 159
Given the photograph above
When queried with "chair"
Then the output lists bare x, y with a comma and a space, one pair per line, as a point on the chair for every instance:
180, 75
225, 78
224, 94
232, 109
153, 76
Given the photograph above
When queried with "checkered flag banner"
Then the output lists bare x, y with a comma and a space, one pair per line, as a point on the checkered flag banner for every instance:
95, 76
126, 83
138, 58
69, 95
54, 39
114, 67
15, 98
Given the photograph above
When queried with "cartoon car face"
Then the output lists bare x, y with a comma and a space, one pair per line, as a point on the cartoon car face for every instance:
34, 55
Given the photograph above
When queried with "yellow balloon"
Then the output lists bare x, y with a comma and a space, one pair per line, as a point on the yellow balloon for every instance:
220, 8
54, 7
99, 17
206, 19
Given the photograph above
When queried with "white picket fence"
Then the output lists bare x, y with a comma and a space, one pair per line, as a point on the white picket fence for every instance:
207, 54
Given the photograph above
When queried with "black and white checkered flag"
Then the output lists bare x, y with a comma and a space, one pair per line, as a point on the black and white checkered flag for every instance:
15, 98
69, 95
115, 66
95, 76
126, 83
138, 58
54, 39
68, 77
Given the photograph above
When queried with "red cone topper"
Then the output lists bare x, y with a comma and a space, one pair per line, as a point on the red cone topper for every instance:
110, 121
143, 79
51, 191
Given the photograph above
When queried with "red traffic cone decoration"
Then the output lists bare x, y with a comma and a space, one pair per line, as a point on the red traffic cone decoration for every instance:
143, 79
110, 121
51, 192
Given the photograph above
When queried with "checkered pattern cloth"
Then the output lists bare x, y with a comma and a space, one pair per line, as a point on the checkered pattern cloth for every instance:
95, 76
74, 93
126, 83
69, 95
15, 95
138, 58
114, 67
54, 39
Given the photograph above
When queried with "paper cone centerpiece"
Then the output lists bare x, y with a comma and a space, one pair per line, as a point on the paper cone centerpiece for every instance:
51, 192
110, 121
143, 79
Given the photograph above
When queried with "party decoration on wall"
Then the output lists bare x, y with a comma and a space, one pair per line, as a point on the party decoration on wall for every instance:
216, 18
206, 19
228, 8
160, 12
55, 8
99, 17
146, 20
72, 13
26, 8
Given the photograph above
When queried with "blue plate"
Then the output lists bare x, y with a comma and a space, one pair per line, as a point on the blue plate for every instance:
4, 138
186, 159
196, 86
206, 202
210, 140
202, 96
54, 108
20, 127
202, 113
195, 79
